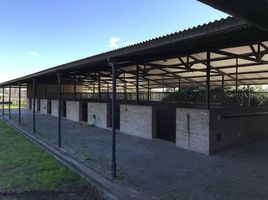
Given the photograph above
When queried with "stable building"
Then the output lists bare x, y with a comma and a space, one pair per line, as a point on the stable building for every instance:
129, 89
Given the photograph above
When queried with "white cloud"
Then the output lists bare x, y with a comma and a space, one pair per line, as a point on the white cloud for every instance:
114, 42
32, 53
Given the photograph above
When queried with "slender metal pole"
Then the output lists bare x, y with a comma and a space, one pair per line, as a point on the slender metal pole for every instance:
99, 87
33, 99
113, 167
137, 86
19, 103
107, 92
3, 102
125, 87
236, 76
59, 108
148, 91
222, 90
9, 104
46, 96
74, 88
208, 82
179, 85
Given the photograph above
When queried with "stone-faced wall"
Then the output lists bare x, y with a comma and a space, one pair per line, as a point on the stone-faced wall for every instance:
137, 120
192, 129
97, 114
36, 104
54, 108
231, 127
28, 104
43, 106
73, 110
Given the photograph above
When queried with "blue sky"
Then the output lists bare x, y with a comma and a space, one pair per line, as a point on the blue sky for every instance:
38, 34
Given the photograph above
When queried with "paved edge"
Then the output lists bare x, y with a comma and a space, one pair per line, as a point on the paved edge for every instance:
109, 188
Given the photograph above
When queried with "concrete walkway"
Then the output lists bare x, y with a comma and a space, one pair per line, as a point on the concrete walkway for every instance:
159, 170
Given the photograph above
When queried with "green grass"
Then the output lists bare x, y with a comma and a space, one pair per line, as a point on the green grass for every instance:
26, 167
13, 106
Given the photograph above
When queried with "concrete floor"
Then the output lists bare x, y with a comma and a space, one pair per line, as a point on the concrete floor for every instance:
161, 171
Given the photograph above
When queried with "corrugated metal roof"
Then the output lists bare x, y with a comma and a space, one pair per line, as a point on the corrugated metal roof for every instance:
216, 27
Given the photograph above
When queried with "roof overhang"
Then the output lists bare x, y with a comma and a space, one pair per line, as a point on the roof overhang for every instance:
163, 59
253, 11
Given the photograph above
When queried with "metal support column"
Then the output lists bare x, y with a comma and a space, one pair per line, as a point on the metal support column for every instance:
179, 85
99, 88
107, 92
113, 166
222, 89
33, 99
93, 92
208, 81
236, 76
137, 86
74, 88
59, 108
125, 88
3, 102
148, 91
9, 104
19, 103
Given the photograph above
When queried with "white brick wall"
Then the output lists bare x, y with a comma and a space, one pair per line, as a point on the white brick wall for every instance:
54, 108
99, 110
73, 110
197, 138
28, 104
137, 120
43, 106
36, 104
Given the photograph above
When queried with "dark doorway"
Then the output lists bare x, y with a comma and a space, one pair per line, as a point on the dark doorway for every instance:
49, 106
84, 111
64, 109
166, 123
38, 105
30, 104
109, 116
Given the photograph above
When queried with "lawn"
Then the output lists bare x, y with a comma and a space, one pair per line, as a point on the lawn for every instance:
28, 172
13, 106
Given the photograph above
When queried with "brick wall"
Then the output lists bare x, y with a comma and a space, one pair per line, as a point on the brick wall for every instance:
136, 120
97, 114
43, 106
192, 129
73, 110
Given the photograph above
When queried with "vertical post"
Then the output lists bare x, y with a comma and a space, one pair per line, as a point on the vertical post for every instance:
236, 76
163, 86
93, 92
113, 167
107, 94
137, 86
59, 108
148, 91
9, 104
99, 87
74, 88
3, 102
179, 85
19, 103
249, 96
33, 99
46, 96
208, 82
125, 87
222, 89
